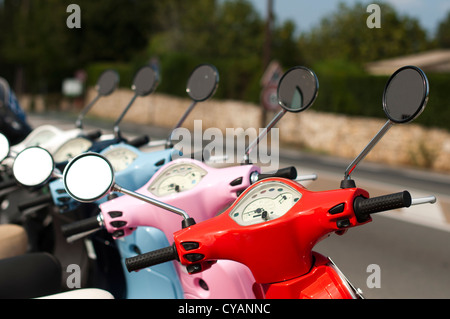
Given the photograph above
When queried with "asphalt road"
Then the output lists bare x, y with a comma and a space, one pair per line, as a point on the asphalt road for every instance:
411, 249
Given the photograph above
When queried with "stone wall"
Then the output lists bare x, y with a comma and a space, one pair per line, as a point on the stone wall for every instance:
337, 135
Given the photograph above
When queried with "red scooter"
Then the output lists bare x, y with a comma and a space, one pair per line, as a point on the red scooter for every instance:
274, 225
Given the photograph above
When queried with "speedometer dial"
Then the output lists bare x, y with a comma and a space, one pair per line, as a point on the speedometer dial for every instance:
41, 138
177, 178
265, 202
72, 148
120, 158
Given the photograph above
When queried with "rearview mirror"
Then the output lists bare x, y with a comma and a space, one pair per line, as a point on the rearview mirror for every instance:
202, 82
33, 166
107, 82
88, 178
145, 81
405, 95
4, 147
297, 89
404, 99
201, 85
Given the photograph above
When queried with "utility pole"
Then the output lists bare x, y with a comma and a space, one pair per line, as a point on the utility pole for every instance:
267, 54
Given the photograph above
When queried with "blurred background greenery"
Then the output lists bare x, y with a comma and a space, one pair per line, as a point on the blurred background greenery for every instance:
38, 50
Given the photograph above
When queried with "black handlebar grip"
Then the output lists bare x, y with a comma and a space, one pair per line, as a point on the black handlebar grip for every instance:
7, 184
363, 207
288, 172
80, 226
35, 202
139, 141
151, 258
93, 135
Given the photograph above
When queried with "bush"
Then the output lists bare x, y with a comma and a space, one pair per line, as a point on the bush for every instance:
354, 94
126, 72
361, 95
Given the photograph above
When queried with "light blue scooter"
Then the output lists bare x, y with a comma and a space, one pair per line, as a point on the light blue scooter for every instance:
133, 168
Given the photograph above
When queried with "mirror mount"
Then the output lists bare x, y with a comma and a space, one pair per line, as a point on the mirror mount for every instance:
90, 176
169, 143
116, 129
201, 85
144, 83
106, 84
79, 121
187, 221
269, 126
404, 99
297, 90
347, 182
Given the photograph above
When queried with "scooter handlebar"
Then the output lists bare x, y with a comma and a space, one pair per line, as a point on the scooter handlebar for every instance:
287, 172
93, 135
151, 258
363, 207
81, 226
139, 141
35, 202
8, 184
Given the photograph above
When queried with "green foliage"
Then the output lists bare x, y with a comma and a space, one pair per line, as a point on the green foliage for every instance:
357, 95
35, 37
229, 35
437, 113
443, 33
37, 46
361, 95
175, 69
344, 35
125, 71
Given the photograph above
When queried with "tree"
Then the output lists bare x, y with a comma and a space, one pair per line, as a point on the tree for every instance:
45, 50
34, 45
344, 36
227, 28
443, 33
229, 35
284, 47
112, 30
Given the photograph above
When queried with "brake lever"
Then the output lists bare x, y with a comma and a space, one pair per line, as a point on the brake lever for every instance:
424, 200
311, 177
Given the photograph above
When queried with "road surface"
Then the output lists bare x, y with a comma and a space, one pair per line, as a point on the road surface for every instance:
409, 248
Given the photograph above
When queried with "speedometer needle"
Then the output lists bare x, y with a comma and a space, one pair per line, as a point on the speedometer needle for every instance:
175, 187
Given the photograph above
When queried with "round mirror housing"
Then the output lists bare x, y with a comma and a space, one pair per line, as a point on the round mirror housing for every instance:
107, 82
4, 147
202, 82
88, 177
33, 166
298, 88
406, 94
145, 81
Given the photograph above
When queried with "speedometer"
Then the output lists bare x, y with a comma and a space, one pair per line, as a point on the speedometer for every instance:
71, 148
177, 178
265, 202
120, 158
40, 138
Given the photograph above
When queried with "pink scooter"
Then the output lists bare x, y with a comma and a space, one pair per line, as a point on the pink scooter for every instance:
197, 189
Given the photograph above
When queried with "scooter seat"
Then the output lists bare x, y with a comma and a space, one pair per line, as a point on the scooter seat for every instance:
30, 275
13, 240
